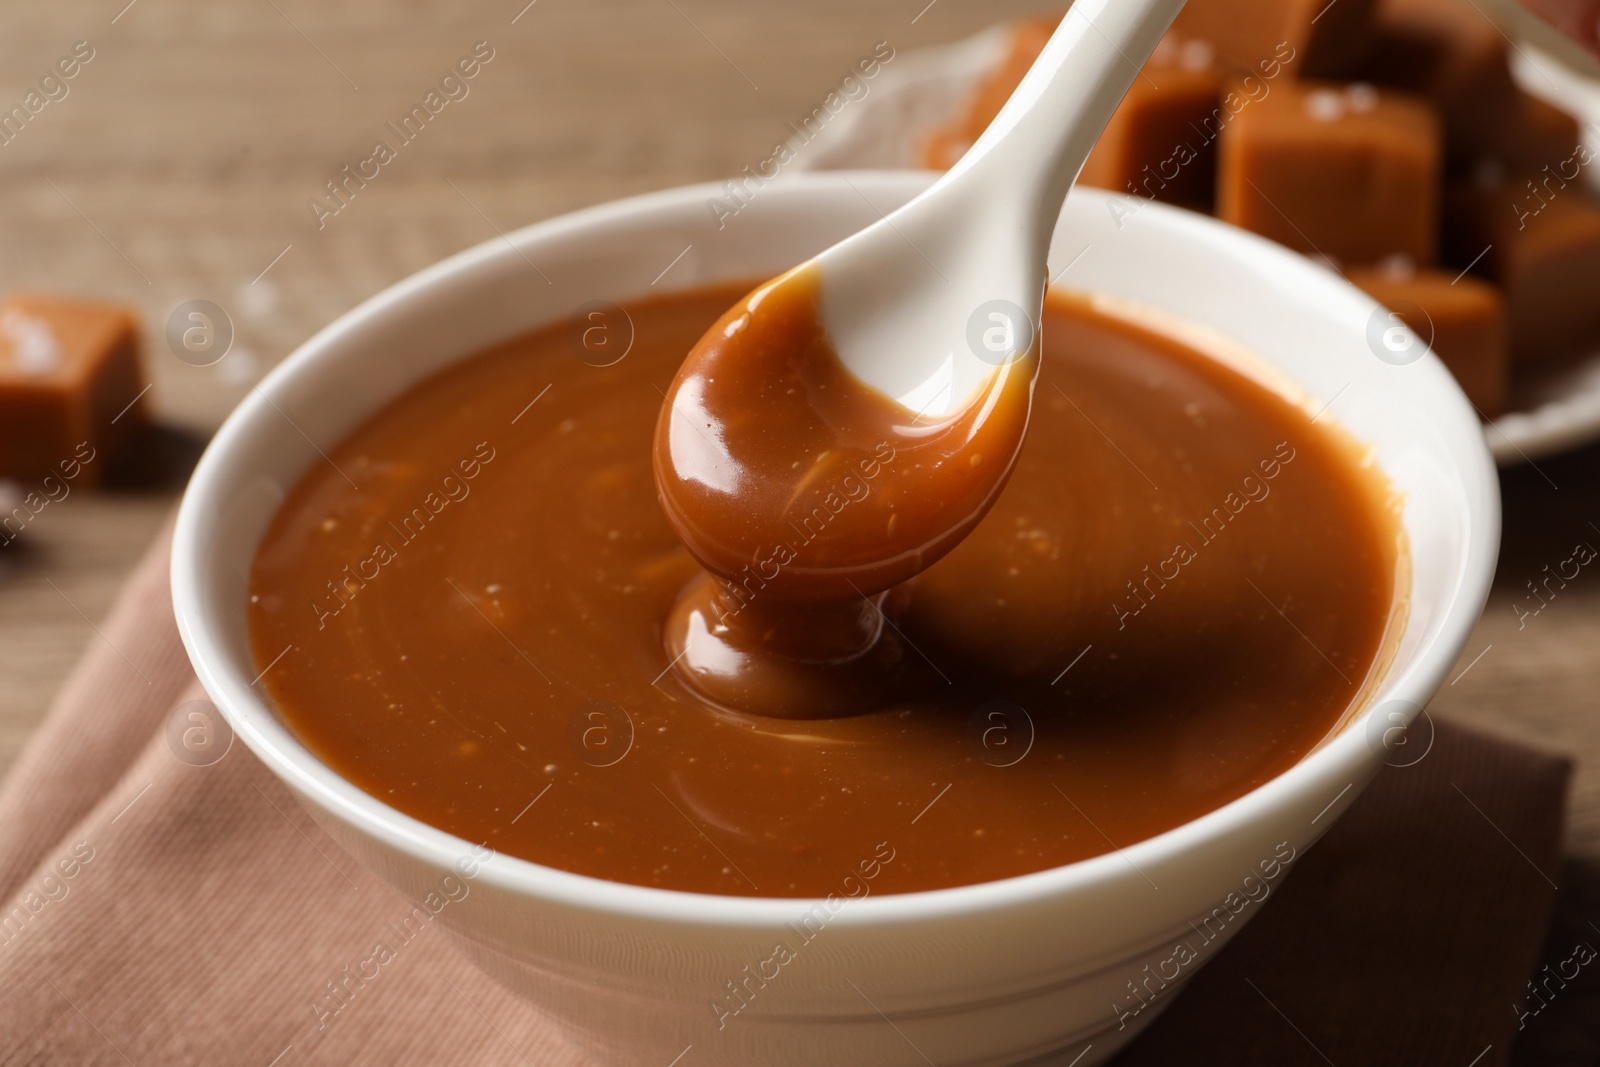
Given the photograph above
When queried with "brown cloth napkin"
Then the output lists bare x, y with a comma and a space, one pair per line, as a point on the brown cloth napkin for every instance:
159, 912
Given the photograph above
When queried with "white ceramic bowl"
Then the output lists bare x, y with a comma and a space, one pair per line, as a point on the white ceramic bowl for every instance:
1018, 971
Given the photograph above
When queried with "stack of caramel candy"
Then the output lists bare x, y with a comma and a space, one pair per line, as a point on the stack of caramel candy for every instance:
1386, 138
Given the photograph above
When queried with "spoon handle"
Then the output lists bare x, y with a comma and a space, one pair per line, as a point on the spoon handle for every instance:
1033, 150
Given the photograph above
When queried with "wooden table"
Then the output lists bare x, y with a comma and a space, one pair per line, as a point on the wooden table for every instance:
180, 164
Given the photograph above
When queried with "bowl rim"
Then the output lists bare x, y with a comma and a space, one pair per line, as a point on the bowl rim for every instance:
1345, 757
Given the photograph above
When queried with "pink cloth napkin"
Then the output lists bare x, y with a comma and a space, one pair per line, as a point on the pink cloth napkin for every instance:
163, 912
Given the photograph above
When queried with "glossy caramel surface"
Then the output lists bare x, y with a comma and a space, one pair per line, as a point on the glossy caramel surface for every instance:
1181, 590
790, 478
806, 494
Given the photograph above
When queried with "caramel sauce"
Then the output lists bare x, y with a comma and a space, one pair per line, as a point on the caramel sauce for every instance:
1183, 589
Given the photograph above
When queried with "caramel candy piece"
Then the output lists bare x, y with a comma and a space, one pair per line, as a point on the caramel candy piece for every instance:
1313, 38
70, 385
1344, 172
1449, 52
1161, 142
1464, 321
1538, 236
1535, 134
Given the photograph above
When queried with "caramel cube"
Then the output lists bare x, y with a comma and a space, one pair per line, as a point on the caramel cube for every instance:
1538, 236
1449, 52
1312, 38
1534, 134
1463, 320
1347, 173
1161, 143
70, 385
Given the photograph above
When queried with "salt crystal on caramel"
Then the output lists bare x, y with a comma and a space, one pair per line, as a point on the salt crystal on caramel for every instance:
1345, 172
1464, 321
70, 384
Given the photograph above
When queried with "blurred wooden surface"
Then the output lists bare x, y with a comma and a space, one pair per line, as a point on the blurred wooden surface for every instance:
180, 163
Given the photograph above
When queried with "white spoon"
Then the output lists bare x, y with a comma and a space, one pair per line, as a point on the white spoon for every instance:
806, 496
